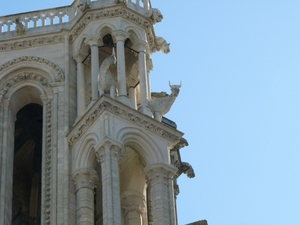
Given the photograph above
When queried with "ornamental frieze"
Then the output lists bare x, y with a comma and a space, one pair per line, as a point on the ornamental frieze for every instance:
28, 43
44, 62
129, 115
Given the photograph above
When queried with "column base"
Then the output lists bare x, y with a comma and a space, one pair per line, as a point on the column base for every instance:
146, 110
91, 104
125, 100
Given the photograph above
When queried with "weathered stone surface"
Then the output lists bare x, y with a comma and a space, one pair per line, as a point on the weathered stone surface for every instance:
100, 158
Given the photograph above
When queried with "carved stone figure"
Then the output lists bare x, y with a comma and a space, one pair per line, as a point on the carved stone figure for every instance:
161, 105
106, 82
20, 28
162, 45
155, 15
183, 167
187, 169
83, 5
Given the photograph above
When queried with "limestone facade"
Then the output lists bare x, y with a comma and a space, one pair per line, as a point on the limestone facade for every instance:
71, 153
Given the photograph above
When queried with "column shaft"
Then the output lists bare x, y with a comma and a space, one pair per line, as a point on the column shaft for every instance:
6, 179
133, 206
94, 70
85, 180
108, 155
80, 90
143, 79
85, 206
121, 68
158, 177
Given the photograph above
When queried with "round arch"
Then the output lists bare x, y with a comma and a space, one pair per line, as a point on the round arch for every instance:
141, 143
134, 34
55, 74
85, 156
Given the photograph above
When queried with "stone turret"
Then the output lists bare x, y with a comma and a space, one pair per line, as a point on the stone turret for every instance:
82, 141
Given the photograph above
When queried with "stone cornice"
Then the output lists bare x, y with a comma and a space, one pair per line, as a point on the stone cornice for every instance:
133, 116
113, 12
30, 42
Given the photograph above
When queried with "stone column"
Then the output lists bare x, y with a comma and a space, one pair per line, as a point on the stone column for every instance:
93, 41
149, 68
80, 85
120, 38
85, 180
143, 78
159, 178
6, 164
133, 207
132, 96
108, 154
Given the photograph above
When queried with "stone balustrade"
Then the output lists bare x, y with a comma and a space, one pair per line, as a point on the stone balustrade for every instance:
62, 15
36, 19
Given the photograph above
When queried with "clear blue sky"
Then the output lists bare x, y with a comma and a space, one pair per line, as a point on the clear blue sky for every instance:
239, 105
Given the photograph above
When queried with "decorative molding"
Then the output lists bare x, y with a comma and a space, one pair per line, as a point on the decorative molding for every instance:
126, 113
29, 43
125, 13
48, 144
45, 62
20, 77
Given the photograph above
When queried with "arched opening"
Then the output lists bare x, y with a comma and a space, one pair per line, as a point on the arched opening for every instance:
98, 204
133, 188
26, 201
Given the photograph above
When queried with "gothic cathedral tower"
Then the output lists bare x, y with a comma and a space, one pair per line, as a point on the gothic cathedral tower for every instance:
82, 138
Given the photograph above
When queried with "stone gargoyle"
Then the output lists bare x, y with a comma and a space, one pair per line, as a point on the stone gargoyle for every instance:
162, 45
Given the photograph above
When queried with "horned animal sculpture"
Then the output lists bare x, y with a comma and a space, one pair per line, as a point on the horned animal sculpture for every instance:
106, 82
161, 105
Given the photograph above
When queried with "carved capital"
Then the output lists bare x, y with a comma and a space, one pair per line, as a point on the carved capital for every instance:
119, 35
6, 104
159, 173
94, 40
141, 46
85, 178
79, 56
108, 146
133, 201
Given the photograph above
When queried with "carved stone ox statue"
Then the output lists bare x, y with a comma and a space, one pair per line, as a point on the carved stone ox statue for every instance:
162, 102
106, 82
